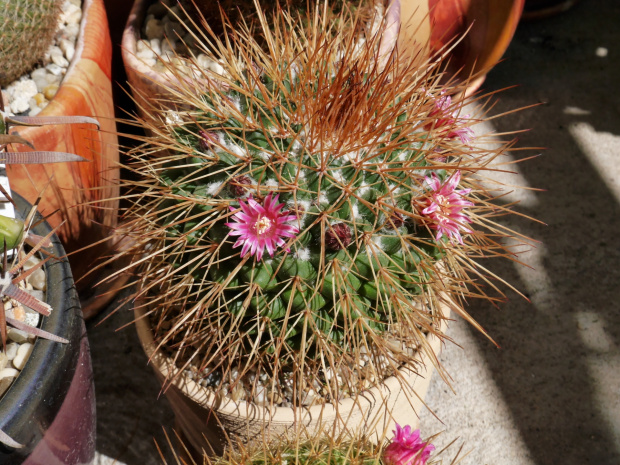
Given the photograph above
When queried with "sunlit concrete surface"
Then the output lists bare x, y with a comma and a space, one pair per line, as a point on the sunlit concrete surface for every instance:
551, 393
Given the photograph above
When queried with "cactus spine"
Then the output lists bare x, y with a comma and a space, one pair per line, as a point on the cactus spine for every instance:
366, 162
27, 28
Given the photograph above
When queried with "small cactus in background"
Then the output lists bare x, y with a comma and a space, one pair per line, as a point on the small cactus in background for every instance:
308, 210
27, 28
405, 448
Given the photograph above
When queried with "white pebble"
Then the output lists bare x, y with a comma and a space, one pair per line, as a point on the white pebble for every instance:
156, 46
23, 353
67, 48
8, 373
20, 105
55, 69
145, 54
6, 98
4, 360
25, 88
217, 68
32, 318
72, 17
142, 45
17, 335
11, 350
71, 31
203, 61
601, 52
38, 73
41, 83
60, 60
52, 78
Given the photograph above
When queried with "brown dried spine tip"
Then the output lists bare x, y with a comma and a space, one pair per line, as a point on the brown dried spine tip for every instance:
338, 237
297, 210
237, 186
208, 139
396, 221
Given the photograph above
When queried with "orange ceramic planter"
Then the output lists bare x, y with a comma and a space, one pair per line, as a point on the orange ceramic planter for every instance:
484, 27
78, 193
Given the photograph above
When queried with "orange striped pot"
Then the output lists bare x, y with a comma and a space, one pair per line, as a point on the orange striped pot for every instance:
77, 191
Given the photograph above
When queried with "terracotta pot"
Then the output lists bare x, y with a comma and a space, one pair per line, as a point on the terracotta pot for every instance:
439, 22
431, 24
210, 426
87, 91
50, 407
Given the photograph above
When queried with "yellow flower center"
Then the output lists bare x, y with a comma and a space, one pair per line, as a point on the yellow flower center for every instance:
262, 225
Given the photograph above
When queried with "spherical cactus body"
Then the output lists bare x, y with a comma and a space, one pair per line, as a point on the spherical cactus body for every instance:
26, 31
306, 211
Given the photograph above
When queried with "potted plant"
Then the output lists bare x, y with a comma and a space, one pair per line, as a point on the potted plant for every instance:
48, 411
406, 447
302, 225
76, 192
47, 396
474, 34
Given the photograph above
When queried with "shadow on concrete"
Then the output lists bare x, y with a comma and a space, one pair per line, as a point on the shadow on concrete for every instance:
130, 411
555, 367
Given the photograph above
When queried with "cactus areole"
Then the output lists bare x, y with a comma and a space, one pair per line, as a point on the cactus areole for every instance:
307, 208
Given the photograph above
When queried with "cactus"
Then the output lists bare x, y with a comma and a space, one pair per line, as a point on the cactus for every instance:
27, 28
309, 211
406, 447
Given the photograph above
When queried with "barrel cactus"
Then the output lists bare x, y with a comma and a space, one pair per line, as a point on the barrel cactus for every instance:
308, 212
27, 28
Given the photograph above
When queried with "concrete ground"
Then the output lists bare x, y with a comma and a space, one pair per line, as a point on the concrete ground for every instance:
551, 394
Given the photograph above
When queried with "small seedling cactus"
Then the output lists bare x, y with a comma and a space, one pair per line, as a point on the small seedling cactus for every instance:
309, 212
27, 28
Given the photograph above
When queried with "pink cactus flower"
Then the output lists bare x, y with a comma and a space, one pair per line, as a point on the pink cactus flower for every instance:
449, 123
407, 448
261, 227
445, 207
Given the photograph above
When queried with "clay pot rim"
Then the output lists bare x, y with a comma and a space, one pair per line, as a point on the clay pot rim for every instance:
284, 415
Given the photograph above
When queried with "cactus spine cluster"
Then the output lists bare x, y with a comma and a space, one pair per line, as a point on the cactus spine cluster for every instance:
365, 160
27, 28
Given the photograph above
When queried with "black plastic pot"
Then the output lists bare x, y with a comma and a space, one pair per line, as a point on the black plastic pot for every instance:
50, 408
